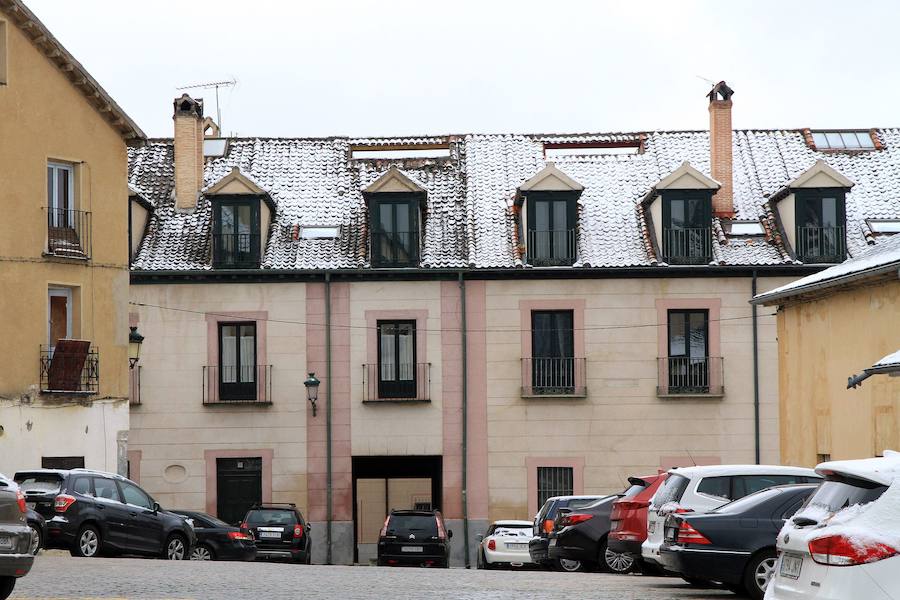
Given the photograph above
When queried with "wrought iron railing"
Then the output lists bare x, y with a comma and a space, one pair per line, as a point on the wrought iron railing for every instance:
70, 372
395, 248
821, 244
134, 385
397, 383
68, 233
251, 384
551, 248
687, 246
553, 377
236, 250
688, 375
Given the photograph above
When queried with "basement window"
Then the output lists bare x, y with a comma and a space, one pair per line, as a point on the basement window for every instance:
566, 149
319, 232
742, 228
843, 140
397, 152
884, 226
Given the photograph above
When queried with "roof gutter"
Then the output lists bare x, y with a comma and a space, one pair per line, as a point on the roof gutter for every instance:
771, 298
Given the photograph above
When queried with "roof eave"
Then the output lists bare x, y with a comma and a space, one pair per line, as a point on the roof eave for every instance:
772, 298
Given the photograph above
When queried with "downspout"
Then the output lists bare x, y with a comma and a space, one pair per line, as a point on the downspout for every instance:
465, 415
328, 490
755, 371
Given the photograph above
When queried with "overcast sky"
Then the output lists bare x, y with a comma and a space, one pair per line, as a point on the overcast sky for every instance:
455, 66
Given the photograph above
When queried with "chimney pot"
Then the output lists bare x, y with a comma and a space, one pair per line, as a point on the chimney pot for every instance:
189, 127
720, 148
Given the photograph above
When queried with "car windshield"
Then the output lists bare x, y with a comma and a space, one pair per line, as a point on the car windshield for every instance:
43, 484
671, 491
633, 490
838, 492
513, 530
420, 525
583, 502
273, 516
739, 506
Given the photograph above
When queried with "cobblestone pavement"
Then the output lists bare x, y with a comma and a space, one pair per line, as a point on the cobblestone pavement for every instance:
82, 578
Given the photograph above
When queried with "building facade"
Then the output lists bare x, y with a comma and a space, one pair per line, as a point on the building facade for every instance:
63, 256
494, 319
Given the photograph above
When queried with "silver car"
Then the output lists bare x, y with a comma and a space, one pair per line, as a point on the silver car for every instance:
15, 537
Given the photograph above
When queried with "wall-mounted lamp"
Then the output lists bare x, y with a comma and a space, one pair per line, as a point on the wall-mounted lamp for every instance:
312, 390
134, 347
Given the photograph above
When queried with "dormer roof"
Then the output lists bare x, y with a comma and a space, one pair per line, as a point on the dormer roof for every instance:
686, 177
394, 180
551, 179
820, 175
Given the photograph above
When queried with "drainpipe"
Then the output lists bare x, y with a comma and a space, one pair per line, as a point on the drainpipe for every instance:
755, 371
465, 415
328, 490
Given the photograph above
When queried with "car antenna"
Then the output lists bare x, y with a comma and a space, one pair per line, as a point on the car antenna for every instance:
690, 456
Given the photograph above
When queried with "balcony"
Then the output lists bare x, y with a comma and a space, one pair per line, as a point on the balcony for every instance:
552, 248
134, 386
687, 246
69, 233
233, 385
821, 244
236, 250
395, 249
690, 376
410, 387
72, 367
553, 377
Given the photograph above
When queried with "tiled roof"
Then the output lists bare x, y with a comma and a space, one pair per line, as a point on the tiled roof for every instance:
469, 219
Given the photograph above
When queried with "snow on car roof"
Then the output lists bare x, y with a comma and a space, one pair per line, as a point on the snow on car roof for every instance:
884, 470
712, 470
514, 523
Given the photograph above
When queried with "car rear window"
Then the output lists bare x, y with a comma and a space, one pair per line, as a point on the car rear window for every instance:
838, 492
40, 483
633, 490
581, 502
545, 510
273, 516
513, 531
739, 506
671, 491
425, 525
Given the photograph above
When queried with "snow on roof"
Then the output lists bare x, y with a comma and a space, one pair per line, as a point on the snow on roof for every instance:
890, 361
884, 469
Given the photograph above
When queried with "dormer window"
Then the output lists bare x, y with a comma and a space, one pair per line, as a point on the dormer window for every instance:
549, 220
820, 218
395, 220
236, 234
687, 215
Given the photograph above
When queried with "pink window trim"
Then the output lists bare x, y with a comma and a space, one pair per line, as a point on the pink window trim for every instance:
525, 309
532, 464
212, 343
134, 465
420, 316
713, 305
212, 491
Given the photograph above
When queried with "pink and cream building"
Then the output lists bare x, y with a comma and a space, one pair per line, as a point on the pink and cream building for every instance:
493, 318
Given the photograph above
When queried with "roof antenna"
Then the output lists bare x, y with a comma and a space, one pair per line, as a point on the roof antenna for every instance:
690, 456
709, 81
208, 86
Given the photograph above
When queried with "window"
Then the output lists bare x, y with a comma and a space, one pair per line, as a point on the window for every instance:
554, 481
106, 489
395, 230
237, 361
820, 222
843, 140
671, 491
319, 232
687, 215
744, 485
688, 360
884, 226
214, 147
551, 228
396, 359
135, 495
60, 194
742, 228
552, 352
59, 315
715, 486
561, 150
399, 152
82, 486
236, 235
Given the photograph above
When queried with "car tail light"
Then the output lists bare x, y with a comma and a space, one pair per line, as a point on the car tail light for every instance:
574, 519
548, 525
442, 533
239, 535
62, 503
384, 529
20, 500
842, 551
492, 545
689, 535
298, 531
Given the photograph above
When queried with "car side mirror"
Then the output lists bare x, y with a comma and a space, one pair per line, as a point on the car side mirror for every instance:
308, 527
156, 507
449, 533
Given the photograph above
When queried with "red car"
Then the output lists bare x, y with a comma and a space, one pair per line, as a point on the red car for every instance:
628, 519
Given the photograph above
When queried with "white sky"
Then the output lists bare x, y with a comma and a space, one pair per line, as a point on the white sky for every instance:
457, 66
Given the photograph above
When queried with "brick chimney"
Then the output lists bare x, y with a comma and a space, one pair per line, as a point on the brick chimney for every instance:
189, 127
720, 161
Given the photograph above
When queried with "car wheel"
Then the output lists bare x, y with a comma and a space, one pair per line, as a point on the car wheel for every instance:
569, 566
36, 538
6, 587
176, 549
759, 573
202, 552
87, 542
616, 562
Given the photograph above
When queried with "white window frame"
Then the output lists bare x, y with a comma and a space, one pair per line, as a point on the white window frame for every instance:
53, 200
64, 293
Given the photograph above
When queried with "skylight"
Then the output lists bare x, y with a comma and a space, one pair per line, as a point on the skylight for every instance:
843, 140
884, 226
743, 228
563, 149
319, 232
400, 152
214, 147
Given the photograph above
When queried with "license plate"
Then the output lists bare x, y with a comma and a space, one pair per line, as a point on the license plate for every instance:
791, 565
411, 549
5, 542
651, 527
270, 534
517, 546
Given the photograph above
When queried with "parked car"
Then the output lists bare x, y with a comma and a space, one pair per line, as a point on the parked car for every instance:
16, 557
414, 538
91, 512
217, 540
581, 534
701, 489
280, 531
505, 544
628, 519
538, 547
734, 544
38, 526
845, 542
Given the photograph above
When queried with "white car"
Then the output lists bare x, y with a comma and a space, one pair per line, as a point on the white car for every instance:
701, 489
505, 544
845, 543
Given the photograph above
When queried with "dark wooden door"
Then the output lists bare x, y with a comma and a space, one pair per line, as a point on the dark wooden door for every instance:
239, 486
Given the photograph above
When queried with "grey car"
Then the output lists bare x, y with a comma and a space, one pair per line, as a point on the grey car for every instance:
16, 557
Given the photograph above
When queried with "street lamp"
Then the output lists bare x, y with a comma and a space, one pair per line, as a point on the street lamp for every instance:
312, 390
134, 347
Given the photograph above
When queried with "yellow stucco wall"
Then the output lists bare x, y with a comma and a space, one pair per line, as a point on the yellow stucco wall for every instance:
823, 342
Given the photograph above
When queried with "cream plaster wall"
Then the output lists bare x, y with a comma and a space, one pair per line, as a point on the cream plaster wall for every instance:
787, 212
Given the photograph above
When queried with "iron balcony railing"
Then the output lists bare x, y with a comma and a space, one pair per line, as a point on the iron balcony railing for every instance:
251, 384
687, 246
821, 244
688, 375
387, 382
395, 248
134, 385
236, 250
70, 372
551, 248
553, 377
68, 233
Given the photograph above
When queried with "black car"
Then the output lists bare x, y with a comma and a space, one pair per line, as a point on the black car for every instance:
539, 545
734, 544
16, 558
38, 526
217, 540
414, 538
280, 532
580, 534
91, 512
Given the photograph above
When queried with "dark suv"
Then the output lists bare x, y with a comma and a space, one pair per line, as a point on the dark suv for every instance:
414, 537
89, 512
280, 532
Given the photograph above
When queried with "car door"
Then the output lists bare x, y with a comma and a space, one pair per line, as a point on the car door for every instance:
114, 517
145, 530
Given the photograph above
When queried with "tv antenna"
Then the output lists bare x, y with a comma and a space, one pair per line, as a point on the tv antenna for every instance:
212, 85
